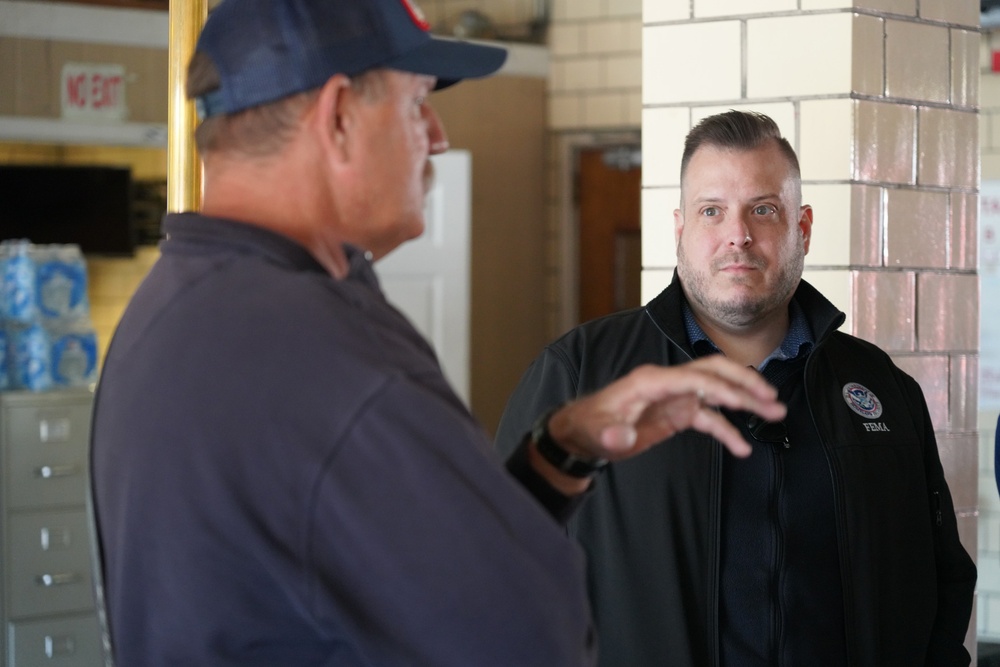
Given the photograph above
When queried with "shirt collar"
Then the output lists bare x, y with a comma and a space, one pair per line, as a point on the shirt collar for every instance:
797, 342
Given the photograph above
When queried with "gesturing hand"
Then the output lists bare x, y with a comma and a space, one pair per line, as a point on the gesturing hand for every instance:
652, 403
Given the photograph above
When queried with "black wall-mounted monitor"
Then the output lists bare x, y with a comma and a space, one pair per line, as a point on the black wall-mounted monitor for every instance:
86, 205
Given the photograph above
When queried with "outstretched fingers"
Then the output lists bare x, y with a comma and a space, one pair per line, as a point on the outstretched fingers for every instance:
716, 425
718, 382
669, 400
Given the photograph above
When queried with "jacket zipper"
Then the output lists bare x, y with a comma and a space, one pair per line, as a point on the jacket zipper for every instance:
779, 552
713, 581
845, 570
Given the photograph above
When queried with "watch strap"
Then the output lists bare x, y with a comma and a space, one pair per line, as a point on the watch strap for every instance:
571, 464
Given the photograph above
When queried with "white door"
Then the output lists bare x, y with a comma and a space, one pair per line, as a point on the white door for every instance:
428, 278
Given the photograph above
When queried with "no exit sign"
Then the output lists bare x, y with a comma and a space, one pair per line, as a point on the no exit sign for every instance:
93, 91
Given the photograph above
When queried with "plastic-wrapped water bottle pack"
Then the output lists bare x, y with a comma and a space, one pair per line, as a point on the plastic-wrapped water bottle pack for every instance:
47, 340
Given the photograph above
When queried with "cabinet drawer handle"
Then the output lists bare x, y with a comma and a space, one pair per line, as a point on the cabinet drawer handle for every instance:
48, 472
59, 579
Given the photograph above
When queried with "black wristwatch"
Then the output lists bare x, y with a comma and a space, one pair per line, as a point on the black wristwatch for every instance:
572, 465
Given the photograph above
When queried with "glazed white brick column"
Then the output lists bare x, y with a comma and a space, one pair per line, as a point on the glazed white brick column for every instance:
663, 132
826, 139
812, 52
658, 205
716, 8
715, 75
918, 62
830, 246
656, 11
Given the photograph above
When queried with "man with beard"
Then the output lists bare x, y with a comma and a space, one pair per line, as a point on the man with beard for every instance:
835, 542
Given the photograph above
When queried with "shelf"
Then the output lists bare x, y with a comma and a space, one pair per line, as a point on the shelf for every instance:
55, 131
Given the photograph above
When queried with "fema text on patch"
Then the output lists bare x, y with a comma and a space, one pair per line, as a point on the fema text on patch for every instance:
876, 426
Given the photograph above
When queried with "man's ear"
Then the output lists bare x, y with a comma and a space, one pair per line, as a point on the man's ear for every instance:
806, 225
333, 116
678, 226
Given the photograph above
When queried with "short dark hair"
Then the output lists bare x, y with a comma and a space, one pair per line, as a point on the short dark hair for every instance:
741, 130
260, 130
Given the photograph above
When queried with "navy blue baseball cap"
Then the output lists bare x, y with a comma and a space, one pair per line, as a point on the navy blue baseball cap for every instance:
265, 50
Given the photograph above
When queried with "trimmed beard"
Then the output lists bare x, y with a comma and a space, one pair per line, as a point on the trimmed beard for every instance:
740, 311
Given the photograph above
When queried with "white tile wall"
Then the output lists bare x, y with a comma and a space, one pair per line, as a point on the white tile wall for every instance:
826, 4
918, 61
963, 225
578, 74
916, 214
868, 49
831, 204
622, 72
663, 135
565, 39
565, 111
835, 286
812, 53
867, 216
633, 106
625, 8
617, 36
655, 11
658, 246
653, 282
577, 9
905, 7
965, 68
885, 136
596, 70
826, 139
709, 8
604, 110
668, 76
948, 140
949, 11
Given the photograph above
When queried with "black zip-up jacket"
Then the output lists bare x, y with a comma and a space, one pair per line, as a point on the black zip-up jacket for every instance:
651, 525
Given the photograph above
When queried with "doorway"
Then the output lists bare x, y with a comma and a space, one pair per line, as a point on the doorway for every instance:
609, 234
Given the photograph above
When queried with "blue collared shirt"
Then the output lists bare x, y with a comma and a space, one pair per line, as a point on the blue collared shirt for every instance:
798, 339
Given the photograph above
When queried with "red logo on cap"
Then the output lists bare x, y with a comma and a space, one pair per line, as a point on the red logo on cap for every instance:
416, 14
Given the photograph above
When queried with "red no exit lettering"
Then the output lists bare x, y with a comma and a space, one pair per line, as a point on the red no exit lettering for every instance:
75, 93
96, 91
93, 90
104, 90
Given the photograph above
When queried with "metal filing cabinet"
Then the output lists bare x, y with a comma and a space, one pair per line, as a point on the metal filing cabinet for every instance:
48, 609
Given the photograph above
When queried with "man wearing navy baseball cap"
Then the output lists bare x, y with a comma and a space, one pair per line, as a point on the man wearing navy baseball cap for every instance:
281, 474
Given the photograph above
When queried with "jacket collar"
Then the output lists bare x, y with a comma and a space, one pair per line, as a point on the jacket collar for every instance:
666, 310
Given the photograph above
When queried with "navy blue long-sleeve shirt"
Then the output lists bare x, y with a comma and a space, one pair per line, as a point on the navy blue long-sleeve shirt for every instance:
283, 477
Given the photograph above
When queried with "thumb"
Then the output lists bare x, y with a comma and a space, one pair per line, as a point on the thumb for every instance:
618, 438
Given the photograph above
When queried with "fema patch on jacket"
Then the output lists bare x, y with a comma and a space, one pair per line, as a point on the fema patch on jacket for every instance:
861, 399
864, 402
